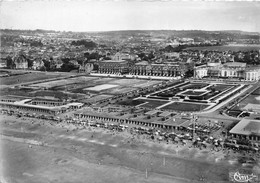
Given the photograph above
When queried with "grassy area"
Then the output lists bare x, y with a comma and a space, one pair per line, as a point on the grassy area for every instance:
250, 99
182, 106
221, 87
131, 102
192, 92
153, 103
150, 104
195, 86
18, 79
256, 92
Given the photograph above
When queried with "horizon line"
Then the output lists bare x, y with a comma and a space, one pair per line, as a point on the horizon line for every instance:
121, 30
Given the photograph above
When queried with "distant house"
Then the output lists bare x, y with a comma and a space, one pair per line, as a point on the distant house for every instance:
123, 56
20, 62
55, 63
37, 64
87, 68
2, 64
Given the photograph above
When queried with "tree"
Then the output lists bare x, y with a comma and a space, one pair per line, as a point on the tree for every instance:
86, 55
87, 44
151, 56
94, 55
42, 68
67, 66
36, 43
9, 62
47, 64
30, 62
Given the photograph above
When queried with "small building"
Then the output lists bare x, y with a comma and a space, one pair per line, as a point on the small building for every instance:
20, 62
37, 64
247, 129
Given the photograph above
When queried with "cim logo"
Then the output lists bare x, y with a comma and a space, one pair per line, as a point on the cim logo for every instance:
243, 177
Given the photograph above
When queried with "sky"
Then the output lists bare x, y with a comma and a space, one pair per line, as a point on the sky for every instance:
102, 15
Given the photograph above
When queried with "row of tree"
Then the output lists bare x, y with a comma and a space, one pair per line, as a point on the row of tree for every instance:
87, 44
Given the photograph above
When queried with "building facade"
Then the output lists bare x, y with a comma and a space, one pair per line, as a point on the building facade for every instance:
146, 69
20, 62
228, 70
113, 66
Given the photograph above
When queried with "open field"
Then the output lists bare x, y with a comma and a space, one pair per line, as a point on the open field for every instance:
253, 99
50, 84
148, 103
29, 77
227, 47
101, 87
96, 84
74, 87
128, 82
256, 92
131, 102
120, 90
185, 106
152, 103
92, 155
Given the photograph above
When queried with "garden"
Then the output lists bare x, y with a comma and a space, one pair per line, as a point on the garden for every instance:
185, 106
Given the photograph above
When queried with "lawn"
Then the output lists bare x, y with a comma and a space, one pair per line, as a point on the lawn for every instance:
221, 87
253, 99
195, 86
256, 92
131, 102
56, 83
184, 106
193, 93
119, 90
18, 79
167, 93
101, 87
153, 103
128, 82
144, 103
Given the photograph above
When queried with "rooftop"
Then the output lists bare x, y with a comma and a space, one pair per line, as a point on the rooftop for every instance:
154, 112
235, 64
114, 61
247, 127
142, 63
175, 121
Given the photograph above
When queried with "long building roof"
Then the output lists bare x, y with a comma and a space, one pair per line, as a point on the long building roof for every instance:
247, 127
235, 64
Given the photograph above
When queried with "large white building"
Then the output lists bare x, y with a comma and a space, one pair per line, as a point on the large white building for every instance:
228, 70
